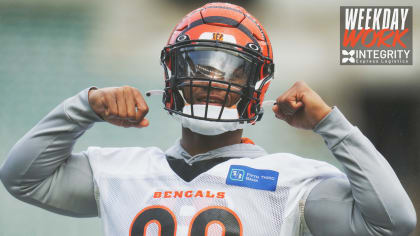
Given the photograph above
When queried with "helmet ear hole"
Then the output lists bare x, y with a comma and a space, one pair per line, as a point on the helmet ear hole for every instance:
267, 69
165, 59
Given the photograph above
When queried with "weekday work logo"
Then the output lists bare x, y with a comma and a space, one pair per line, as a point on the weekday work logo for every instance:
376, 35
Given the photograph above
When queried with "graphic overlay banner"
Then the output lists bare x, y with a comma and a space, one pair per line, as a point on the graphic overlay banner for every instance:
376, 35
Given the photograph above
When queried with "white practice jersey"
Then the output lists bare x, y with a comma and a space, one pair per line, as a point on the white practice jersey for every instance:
139, 194
238, 189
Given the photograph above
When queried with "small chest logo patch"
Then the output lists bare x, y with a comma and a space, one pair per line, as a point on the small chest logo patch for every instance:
252, 178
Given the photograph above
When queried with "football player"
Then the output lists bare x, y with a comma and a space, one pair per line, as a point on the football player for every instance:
218, 64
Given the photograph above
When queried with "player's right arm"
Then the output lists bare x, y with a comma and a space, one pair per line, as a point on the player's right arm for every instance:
41, 169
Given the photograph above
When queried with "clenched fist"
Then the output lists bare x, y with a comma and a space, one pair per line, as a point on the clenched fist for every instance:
121, 106
301, 107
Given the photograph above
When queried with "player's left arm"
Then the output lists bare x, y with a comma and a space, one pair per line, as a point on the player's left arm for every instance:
372, 201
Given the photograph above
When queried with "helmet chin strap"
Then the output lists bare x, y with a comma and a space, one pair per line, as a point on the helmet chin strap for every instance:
154, 92
269, 102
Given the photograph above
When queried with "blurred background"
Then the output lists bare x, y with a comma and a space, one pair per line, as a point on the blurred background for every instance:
50, 50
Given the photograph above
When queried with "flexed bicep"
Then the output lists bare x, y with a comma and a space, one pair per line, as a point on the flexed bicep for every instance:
42, 170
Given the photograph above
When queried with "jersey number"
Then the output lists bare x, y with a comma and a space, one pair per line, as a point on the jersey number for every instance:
166, 221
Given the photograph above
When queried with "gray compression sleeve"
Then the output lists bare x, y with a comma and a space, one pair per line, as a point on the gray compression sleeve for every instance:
371, 202
43, 158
